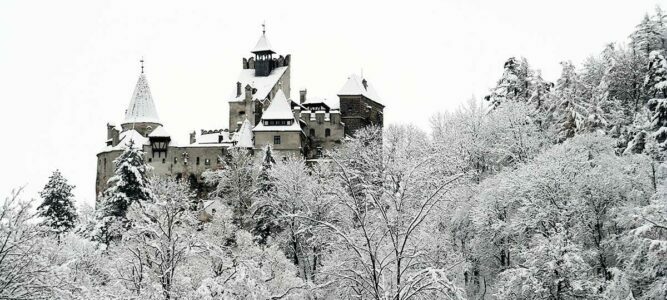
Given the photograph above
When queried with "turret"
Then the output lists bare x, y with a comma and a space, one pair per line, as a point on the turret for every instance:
141, 114
264, 63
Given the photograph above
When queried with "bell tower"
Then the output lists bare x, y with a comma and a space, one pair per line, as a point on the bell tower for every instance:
264, 63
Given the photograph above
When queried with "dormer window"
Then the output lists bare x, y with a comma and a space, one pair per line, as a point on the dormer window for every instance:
278, 122
159, 145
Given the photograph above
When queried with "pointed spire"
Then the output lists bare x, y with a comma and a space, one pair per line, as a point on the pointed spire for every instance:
141, 108
243, 137
263, 43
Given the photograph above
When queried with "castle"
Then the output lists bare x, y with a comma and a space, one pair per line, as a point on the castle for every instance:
261, 113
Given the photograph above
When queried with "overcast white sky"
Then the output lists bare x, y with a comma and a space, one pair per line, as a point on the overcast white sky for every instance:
68, 67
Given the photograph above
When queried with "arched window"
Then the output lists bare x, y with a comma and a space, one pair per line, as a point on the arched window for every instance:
327, 132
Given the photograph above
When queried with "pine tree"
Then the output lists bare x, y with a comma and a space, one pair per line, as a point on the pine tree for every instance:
58, 208
656, 79
264, 212
514, 83
648, 36
129, 184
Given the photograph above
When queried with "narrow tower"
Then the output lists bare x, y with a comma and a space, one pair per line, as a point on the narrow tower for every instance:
263, 55
141, 114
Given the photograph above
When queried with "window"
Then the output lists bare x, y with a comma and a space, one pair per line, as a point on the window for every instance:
277, 122
175, 160
207, 161
197, 160
150, 160
312, 132
164, 160
276, 140
241, 113
327, 132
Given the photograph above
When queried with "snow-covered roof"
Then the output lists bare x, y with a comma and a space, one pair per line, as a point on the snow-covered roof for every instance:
263, 84
355, 86
279, 109
159, 132
333, 103
262, 45
142, 107
243, 137
213, 138
124, 141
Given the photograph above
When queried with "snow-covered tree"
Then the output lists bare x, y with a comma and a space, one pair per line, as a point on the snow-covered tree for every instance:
236, 185
548, 227
379, 244
643, 248
58, 209
513, 85
159, 241
647, 36
129, 183
25, 271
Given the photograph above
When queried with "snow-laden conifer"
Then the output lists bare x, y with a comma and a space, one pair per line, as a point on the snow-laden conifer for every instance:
58, 209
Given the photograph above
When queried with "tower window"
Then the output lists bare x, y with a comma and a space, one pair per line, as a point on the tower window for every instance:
175, 160
327, 132
150, 160
276, 140
197, 160
164, 160
207, 161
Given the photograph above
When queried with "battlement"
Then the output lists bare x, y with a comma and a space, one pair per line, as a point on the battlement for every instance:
281, 61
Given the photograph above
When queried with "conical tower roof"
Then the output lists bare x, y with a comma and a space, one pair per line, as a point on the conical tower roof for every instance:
262, 45
243, 137
141, 108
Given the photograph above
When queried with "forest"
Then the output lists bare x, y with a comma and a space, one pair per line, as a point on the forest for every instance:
541, 190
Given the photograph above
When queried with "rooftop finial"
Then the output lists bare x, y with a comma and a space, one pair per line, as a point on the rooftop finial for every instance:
263, 27
142, 65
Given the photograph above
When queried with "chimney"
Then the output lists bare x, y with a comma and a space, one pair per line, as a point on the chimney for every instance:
113, 135
192, 137
238, 89
302, 96
365, 83
248, 92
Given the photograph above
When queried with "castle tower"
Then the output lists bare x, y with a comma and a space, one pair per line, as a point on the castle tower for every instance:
259, 81
263, 56
359, 105
141, 114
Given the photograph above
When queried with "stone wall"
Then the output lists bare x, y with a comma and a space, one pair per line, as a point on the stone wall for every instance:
316, 125
290, 142
358, 112
186, 163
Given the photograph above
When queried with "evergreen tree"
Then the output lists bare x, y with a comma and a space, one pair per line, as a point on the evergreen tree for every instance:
263, 180
648, 35
656, 79
265, 214
58, 208
514, 83
129, 184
